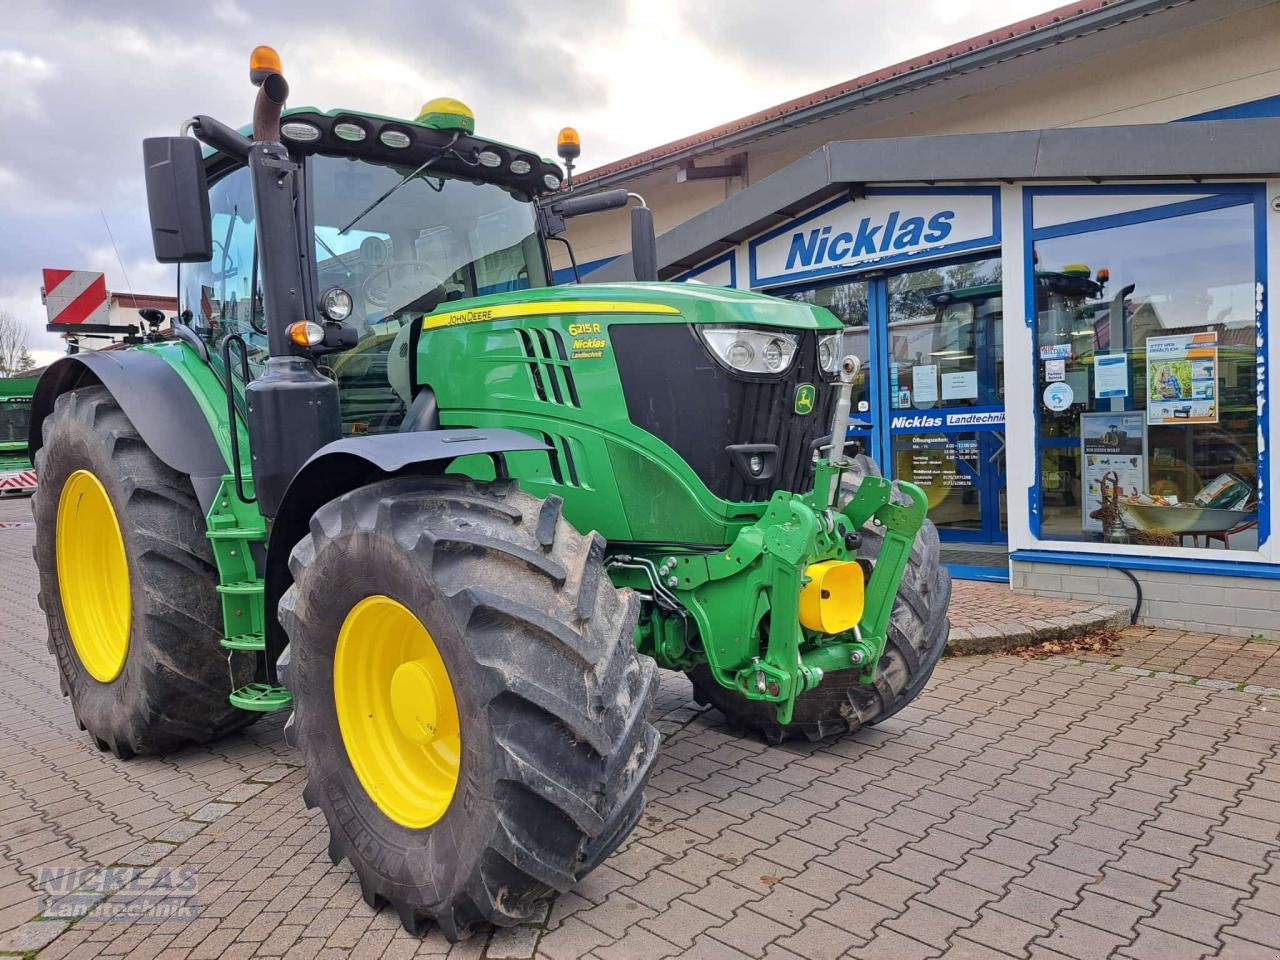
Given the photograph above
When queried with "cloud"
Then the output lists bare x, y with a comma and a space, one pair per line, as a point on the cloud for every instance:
21, 76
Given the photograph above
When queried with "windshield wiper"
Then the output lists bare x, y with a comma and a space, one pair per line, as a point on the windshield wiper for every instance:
329, 250
426, 163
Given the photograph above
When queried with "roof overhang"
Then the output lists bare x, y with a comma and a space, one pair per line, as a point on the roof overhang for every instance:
1200, 150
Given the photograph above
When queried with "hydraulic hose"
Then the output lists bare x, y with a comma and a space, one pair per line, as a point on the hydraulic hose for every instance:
1137, 590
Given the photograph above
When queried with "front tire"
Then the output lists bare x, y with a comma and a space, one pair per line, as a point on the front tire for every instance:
918, 631
128, 585
468, 697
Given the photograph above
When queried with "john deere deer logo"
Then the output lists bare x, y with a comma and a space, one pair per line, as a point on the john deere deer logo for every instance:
804, 399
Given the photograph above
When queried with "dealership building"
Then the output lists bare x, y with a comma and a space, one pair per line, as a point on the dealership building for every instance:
1052, 245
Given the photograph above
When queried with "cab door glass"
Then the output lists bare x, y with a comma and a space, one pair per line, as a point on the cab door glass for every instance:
224, 296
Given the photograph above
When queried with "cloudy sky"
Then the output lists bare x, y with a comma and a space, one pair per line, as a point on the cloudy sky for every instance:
81, 85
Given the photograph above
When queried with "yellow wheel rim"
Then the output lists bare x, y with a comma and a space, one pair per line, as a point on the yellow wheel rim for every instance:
397, 712
93, 576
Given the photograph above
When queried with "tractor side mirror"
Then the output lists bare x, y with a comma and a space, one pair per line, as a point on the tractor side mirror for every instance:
177, 200
644, 244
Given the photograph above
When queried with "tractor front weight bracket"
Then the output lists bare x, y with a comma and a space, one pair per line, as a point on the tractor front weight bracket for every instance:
745, 600
901, 522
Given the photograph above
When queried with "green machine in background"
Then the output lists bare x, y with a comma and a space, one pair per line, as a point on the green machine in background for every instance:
452, 516
17, 475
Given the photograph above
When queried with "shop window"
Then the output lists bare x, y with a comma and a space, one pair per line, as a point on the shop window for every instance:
1146, 386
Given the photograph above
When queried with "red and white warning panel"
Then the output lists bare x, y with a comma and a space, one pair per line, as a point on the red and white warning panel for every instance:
75, 298
17, 481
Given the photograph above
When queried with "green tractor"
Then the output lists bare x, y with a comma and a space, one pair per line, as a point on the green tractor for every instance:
452, 516
17, 475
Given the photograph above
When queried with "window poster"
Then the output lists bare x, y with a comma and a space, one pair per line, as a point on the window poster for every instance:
1110, 375
1182, 379
1111, 443
924, 381
962, 385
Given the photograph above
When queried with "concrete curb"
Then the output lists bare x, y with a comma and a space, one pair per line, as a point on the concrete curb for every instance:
994, 637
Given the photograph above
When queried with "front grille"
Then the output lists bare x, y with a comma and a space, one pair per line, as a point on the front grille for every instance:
677, 391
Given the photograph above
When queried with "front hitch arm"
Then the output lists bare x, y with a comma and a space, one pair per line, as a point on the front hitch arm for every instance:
901, 522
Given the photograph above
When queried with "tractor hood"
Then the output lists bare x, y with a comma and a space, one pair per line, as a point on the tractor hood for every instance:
684, 302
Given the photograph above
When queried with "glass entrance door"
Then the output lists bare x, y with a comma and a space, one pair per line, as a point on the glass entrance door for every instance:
928, 405
944, 385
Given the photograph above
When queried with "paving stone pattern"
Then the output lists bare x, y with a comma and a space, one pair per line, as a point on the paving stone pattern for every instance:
989, 617
1053, 808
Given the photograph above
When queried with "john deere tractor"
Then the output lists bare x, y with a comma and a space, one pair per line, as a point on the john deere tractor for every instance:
453, 516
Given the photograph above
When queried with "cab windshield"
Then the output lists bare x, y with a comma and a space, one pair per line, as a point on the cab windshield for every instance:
436, 239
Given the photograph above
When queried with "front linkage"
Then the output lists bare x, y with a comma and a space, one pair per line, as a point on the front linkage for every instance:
753, 606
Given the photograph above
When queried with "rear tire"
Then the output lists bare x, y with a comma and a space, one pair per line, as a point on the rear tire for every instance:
172, 688
918, 631
551, 697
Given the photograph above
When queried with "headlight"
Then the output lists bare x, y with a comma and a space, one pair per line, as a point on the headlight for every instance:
335, 304
827, 354
751, 351
832, 349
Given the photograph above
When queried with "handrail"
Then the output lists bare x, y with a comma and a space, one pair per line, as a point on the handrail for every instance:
231, 408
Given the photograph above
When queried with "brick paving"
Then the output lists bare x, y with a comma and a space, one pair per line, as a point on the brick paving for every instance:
1056, 808
1253, 663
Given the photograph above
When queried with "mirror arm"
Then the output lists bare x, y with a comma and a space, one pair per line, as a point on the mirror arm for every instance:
218, 135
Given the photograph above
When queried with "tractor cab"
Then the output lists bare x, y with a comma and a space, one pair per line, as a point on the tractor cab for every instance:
402, 216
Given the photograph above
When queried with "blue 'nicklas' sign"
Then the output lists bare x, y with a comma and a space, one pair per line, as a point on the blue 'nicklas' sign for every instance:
880, 229
818, 246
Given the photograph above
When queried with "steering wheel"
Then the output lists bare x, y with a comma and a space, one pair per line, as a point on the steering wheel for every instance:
404, 281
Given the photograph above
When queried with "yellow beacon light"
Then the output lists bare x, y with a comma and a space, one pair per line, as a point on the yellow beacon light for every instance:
446, 113
568, 144
265, 60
